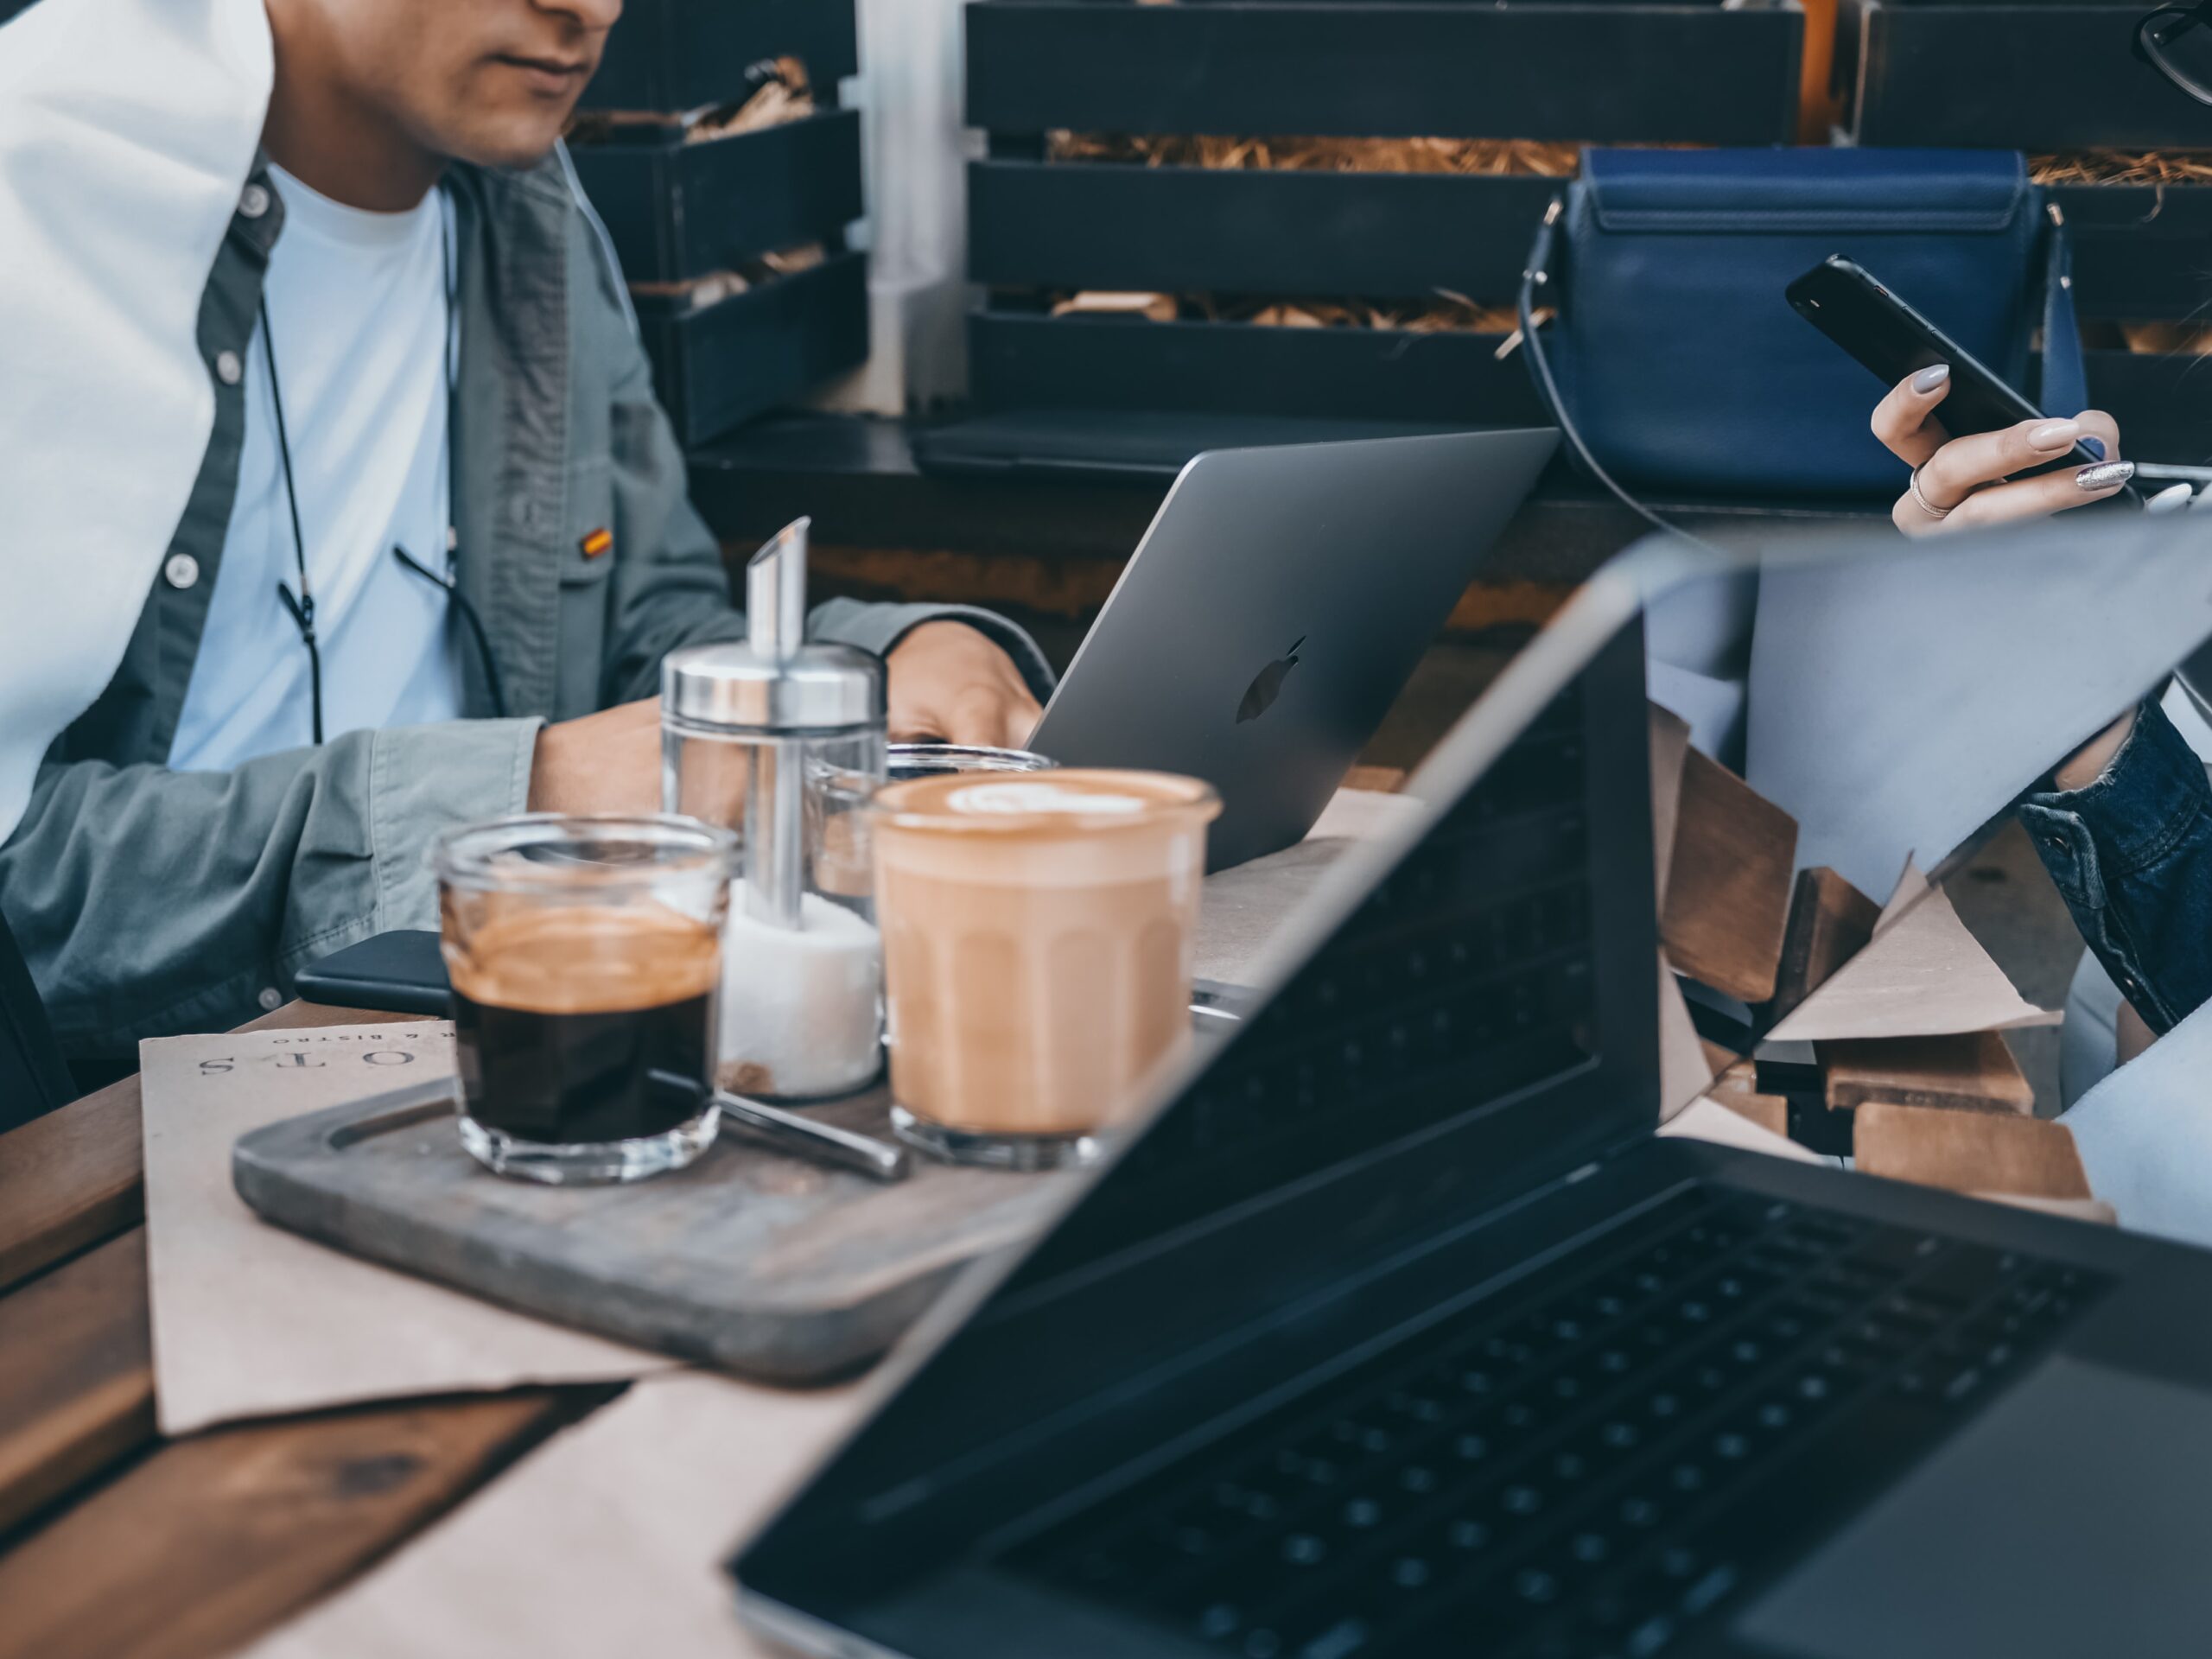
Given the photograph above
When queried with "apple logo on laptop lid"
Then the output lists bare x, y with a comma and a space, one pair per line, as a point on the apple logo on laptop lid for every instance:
1267, 684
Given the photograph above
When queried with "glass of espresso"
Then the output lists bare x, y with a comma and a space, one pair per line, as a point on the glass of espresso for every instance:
585, 956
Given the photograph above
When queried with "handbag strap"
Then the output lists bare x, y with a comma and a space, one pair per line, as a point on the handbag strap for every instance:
2063, 388
1538, 274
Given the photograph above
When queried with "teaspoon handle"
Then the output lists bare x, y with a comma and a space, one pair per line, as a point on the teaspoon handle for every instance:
805, 1137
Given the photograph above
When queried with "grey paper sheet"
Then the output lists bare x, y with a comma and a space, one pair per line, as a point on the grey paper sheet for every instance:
1898, 704
2146, 1134
1922, 974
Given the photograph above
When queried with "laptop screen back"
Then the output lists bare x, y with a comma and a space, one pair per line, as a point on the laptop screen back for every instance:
1478, 1022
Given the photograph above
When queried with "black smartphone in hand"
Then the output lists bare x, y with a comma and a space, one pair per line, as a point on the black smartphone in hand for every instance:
1845, 303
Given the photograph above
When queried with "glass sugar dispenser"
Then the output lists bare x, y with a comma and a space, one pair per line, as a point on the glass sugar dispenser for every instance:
784, 742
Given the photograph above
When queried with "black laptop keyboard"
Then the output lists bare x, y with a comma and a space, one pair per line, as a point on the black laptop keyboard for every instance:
1588, 1468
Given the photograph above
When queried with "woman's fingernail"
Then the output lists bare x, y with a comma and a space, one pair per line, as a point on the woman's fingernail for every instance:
2094, 446
2054, 434
2105, 475
1932, 377
2172, 499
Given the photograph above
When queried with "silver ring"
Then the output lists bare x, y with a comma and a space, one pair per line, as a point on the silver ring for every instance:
1923, 503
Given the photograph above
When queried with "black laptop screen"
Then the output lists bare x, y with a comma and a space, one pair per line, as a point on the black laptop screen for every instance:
1478, 1025
1469, 979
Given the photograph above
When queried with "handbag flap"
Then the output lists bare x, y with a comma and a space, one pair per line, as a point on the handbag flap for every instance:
1758, 191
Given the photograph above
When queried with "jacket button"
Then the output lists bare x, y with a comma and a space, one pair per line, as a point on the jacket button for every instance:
228, 369
181, 571
270, 999
253, 201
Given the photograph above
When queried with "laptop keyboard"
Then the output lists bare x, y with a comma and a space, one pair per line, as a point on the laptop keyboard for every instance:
1584, 1470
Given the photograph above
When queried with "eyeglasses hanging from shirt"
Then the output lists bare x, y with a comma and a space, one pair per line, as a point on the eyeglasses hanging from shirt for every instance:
301, 603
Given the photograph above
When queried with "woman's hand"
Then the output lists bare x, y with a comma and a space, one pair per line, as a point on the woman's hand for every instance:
1961, 482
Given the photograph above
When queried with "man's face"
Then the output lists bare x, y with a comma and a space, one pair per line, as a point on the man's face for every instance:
488, 81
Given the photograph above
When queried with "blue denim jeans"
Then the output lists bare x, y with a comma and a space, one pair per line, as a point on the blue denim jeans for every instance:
2132, 855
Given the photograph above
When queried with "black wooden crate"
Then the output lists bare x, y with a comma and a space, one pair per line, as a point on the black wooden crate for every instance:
2010, 76
680, 54
726, 362
1655, 72
679, 211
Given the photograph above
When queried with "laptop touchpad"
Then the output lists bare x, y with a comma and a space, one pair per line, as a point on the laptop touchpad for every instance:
2070, 1518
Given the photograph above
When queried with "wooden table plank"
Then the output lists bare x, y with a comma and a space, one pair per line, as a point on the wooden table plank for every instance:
77, 1393
71, 1178
68, 1179
213, 1540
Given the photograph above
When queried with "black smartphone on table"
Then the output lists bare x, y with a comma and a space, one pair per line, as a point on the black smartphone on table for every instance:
400, 972
1847, 303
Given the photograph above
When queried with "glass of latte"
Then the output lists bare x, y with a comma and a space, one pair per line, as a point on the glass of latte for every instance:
1037, 936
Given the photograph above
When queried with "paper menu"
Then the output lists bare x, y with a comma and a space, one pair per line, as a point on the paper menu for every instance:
250, 1321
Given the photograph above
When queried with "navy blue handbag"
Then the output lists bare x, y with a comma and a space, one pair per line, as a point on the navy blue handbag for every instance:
1674, 361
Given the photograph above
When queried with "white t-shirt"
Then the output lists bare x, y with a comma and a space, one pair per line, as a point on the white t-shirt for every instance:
358, 303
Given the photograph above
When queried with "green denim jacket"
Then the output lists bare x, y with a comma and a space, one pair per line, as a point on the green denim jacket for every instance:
149, 901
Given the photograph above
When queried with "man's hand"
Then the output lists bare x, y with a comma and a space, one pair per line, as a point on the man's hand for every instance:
948, 682
607, 762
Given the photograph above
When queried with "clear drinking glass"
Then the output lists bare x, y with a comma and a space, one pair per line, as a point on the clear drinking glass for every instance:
586, 959
911, 760
1037, 934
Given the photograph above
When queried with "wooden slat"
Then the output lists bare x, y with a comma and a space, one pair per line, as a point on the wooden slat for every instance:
77, 1391
1449, 378
1077, 588
1376, 235
1973, 1071
1383, 780
1736, 1087
68, 1179
2047, 76
1670, 747
1637, 73
213, 1540
71, 1178
1830, 922
1969, 1151
1728, 885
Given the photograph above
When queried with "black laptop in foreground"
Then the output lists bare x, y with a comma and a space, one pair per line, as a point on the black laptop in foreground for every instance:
1399, 1332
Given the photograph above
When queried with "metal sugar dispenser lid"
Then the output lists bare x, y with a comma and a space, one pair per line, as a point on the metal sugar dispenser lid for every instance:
776, 691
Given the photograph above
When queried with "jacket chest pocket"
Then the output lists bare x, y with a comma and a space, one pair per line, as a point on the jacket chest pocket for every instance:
586, 555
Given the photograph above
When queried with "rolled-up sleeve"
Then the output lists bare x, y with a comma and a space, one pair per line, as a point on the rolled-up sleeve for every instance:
2131, 853
148, 901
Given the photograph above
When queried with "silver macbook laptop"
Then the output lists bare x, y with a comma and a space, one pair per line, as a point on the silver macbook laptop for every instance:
1274, 610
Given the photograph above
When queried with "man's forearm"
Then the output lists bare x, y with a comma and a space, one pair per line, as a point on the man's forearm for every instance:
149, 901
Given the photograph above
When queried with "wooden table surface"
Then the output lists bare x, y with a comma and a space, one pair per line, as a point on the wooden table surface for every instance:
117, 1542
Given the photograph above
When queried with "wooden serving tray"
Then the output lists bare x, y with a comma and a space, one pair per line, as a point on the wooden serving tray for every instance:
749, 1261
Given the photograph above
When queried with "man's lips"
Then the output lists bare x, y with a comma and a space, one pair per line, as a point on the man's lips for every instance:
548, 74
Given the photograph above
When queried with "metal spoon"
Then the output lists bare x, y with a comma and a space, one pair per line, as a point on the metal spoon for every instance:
803, 1137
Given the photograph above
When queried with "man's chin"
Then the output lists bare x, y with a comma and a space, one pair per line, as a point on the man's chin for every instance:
513, 147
